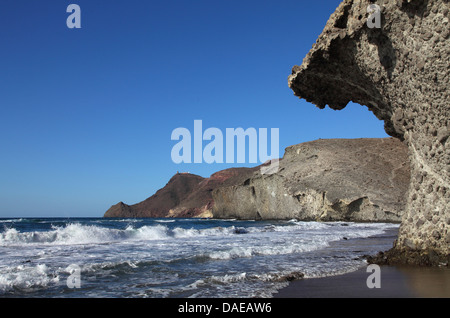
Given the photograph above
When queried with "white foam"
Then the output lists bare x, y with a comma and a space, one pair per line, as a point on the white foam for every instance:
26, 277
11, 220
165, 221
82, 234
137, 249
75, 233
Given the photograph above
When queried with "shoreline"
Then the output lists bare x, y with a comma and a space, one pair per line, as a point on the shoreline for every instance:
395, 282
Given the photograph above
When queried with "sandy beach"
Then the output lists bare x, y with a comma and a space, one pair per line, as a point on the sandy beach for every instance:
396, 282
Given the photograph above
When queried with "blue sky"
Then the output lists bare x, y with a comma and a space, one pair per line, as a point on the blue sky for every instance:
86, 115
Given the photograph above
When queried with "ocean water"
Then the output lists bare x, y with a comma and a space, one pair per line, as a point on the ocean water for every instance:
100, 257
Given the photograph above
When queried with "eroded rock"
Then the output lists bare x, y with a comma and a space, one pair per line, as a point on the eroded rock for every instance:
325, 180
400, 72
185, 195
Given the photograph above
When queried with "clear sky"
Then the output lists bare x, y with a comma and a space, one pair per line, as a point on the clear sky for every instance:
86, 115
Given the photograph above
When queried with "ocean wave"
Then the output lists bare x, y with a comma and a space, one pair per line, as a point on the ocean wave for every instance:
11, 220
165, 221
26, 278
81, 234
266, 250
226, 279
76, 233
180, 258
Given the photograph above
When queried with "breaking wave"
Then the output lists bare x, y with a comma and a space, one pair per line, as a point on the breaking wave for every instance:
84, 234
159, 258
75, 233
26, 277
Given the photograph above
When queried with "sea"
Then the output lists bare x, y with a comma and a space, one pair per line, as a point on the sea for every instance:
177, 258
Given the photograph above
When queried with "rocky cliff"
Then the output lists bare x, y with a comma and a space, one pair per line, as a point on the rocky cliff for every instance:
326, 180
400, 71
185, 195
329, 180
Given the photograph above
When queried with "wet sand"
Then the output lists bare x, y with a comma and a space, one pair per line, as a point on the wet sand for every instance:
395, 282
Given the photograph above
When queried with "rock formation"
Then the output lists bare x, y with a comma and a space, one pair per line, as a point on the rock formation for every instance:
400, 71
329, 180
324, 180
185, 195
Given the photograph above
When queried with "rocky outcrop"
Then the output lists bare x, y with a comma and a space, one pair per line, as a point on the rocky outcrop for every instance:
325, 180
185, 195
400, 71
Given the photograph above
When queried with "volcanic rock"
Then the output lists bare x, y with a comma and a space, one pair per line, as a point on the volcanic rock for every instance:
325, 180
185, 195
400, 71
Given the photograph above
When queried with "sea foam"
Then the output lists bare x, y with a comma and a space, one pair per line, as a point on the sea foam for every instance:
75, 233
153, 258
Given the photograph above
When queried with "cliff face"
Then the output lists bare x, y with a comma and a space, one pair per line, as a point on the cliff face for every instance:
164, 201
400, 72
326, 180
185, 195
